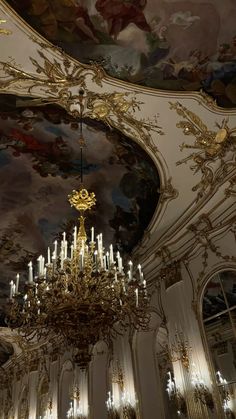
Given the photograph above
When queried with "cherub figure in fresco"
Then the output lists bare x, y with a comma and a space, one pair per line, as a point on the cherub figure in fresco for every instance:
120, 13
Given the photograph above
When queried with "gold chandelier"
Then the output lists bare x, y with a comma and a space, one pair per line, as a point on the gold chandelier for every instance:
82, 294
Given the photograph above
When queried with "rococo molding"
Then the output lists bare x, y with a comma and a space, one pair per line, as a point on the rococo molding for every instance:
212, 153
59, 80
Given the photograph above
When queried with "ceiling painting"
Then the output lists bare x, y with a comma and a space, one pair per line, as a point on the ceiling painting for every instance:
173, 45
40, 166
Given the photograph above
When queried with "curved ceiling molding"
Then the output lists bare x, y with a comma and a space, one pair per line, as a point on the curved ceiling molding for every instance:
133, 109
141, 42
32, 41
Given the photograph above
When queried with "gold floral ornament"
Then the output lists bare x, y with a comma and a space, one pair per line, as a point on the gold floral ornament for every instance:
82, 200
117, 110
52, 80
53, 75
209, 147
4, 31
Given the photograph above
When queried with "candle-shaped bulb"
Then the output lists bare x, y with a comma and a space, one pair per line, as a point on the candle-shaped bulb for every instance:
66, 250
39, 260
55, 249
131, 269
49, 255
71, 251
30, 277
17, 282
75, 237
11, 289
111, 254
140, 272
92, 234
136, 296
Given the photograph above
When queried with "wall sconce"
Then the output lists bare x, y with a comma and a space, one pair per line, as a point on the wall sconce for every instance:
75, 411
128, 410
113, 412
48, 414
222, 383
175, 397
124, 411
202, 393
180, 350
123, 408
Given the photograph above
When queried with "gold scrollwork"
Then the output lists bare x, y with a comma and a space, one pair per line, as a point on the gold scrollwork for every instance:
117, 111
171, 274
51, 73
4, 31
168, 192
203, 231
55, 78
230, 190
208, 100
209, 146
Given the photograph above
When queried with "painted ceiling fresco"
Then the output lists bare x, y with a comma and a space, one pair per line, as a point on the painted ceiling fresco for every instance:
40, 166
174, 44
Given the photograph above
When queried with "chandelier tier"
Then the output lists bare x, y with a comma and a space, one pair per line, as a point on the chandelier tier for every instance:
82, 294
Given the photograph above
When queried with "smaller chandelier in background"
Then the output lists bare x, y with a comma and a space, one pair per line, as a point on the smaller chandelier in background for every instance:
75, 411
82, 294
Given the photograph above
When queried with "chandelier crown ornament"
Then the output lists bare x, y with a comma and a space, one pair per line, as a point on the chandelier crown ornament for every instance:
81, 293
82, 200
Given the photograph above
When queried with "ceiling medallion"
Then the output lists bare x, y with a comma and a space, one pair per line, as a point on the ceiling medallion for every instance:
82, 294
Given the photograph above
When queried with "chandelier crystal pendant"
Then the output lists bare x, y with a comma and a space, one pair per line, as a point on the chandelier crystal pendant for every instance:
82, 294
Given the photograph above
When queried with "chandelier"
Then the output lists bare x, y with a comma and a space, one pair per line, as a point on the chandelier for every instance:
82, 293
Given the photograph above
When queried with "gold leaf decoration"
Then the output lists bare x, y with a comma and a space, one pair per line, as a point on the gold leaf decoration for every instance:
4, 31
210, 148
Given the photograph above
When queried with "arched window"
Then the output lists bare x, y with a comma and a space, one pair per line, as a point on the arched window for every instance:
219, 319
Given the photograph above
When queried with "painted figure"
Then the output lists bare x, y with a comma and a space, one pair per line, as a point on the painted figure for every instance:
119, 14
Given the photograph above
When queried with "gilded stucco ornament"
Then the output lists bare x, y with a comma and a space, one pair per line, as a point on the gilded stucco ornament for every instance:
230, 191
171, 274
204, 230
210, 151
4, 31
53, 80
208, 100
168, 192
52, 75
125, 410
117, 110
